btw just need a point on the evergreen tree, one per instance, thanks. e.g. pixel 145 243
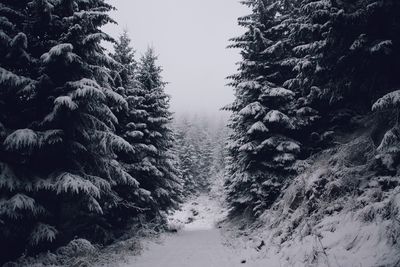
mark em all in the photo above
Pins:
pixel 187 157
pixel 361 53
pixel 139 204
pixel 219 146
pixel 157 170
pixel 125 56
pixel 200 152
pixel 17 208
pixel 206 161
pixel 274 117
pixel 59 147
pixel 389 147
pixel 308 68
pixel 263 143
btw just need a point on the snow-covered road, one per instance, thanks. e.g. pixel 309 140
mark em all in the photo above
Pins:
pixel 198 243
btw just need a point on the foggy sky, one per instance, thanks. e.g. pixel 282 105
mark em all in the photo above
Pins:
pixel 190 37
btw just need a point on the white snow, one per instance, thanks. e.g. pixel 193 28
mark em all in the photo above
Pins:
pixel 278 92
pixel 306 48
pixel 251 85
pixel 390 142
pixel 43 232
pixel 274 49
pixel 359 42
pixel 289 147
pixel 86 88
pixel 198 243
pixel 284 158
pixel 19 41
pixel 22 139
pixel 252 109
pixel 19 203
pixel 315 5
pixel 258 127
pixel 22 202
pixel 65 101
pixel 387 102
pixel 68 182
pixel 58 50
pixel 384 47
pixel 338 240
pixel 247 147
pixel 275 116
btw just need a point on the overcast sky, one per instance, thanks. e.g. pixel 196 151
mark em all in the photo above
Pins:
pixel 190 37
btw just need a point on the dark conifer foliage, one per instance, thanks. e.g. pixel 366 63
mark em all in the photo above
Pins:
pixel 66 119
pixel 134 200
pixel 124 54
pixel 158 170
pixel 311 71
pixel 58 164
pixel 269 120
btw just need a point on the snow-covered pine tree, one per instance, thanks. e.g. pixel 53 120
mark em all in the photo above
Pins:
pixel 82 104
pixel 196 157
pixel 219 146
pixel 360 57
pixel 200 149
pixel 124 54
pixel 308 23
pixel 352 56
pixel 206 161
pixel 389 148
pixel 19 208
pixel 187 157
pixel 158 171
pixel 265 141
pixel 131 127
pixel 58 146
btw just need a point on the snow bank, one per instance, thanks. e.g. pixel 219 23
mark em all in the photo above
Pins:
pixel 338 212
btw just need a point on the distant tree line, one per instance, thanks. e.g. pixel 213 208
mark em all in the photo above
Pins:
pixel 200 147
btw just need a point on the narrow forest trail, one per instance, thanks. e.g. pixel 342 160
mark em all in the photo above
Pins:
pixel 199 242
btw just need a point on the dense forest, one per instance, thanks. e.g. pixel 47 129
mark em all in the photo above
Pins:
pixel 315 125
pixel 89 146
pixel 86 145
pixel 310 75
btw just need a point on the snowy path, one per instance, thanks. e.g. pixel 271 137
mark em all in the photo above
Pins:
pixel 198 244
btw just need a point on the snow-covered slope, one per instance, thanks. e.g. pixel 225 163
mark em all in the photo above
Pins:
pixel 338 212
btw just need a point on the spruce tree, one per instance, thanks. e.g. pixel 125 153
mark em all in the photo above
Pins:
pixel 389 146
pixel 158 171
pixel 196 156
pixel 361 54
pixel 308 69
pixel 18 208
pixel 59 146
pixel 246 174
pixel 138 202
pixel 124 54
pixel 270 120
pixel 187 160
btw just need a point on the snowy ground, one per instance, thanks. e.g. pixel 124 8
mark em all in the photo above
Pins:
pixel 202 240
pixel 198 243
